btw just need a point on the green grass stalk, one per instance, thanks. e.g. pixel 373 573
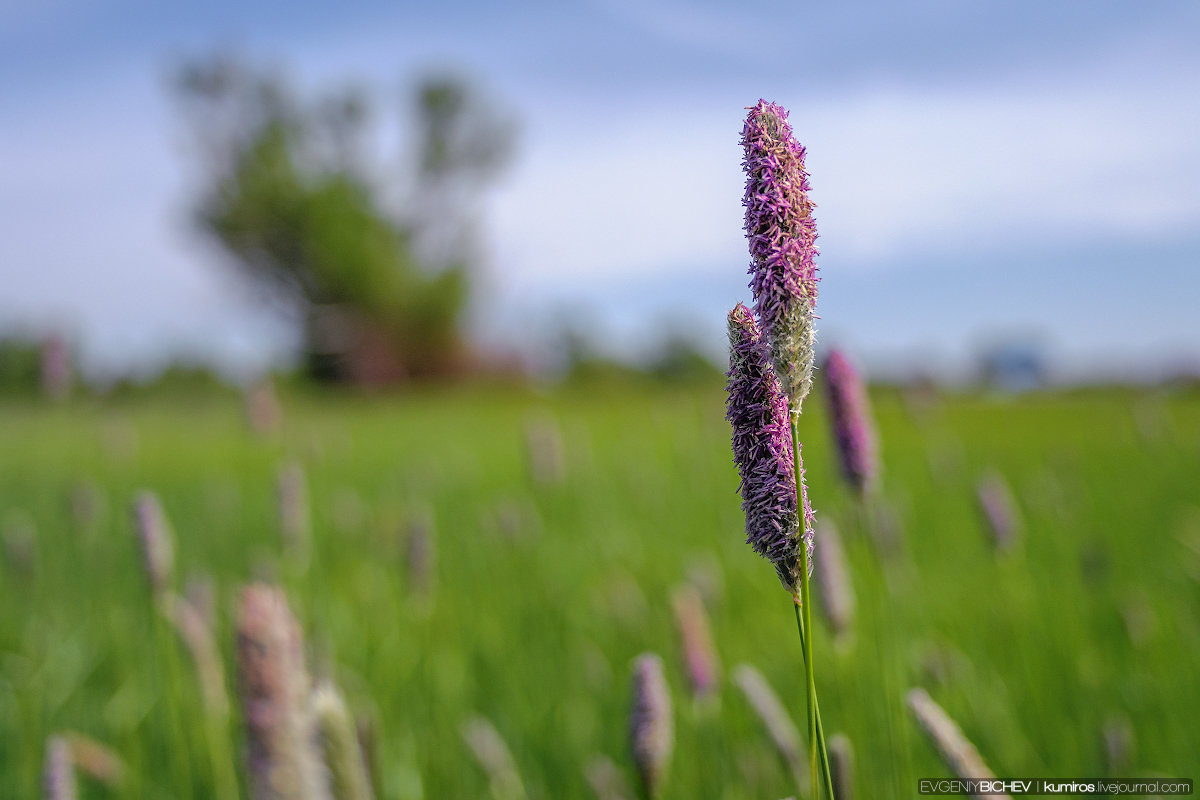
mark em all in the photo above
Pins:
pixel 822 747
pixel 165 648
pixel 803 604
pixel 220 751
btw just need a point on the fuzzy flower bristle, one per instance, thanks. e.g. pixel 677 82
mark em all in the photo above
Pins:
pixel 782 236
pixel 651 724
pixel 762 448
pixel 850 414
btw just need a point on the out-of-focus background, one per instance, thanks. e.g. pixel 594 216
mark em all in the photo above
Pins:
pixel 986 175
pixel 460 272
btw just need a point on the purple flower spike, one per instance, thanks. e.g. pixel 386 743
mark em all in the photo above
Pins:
pixel 762 448
pixel 999 509
pixel 782 235
pixel 696 641
pixel 58 774
pixel 850 414
pixel 282 755
pixel 154 536
pixel 651 723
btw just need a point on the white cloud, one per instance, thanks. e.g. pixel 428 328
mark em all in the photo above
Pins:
pixel 621 199
pixel 97 241
pixel 898 172
pixel 933 173
pixel 612 189
pixel 712 29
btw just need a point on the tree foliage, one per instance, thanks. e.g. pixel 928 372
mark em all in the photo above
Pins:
pixel 289 191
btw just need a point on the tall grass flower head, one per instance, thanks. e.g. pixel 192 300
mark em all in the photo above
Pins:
pixel 651 723
pixel 58 772
pixel 999 509
pixel 96 760
pixel 700 659
pixel 154 538
pixel 850 415
pixel 295 518
pixel 775 718
pixel 956 750
pixel 762 448
pixel 282 755
pixel 782 236
pixel 834 583
pixel 493 754
pixel 348 777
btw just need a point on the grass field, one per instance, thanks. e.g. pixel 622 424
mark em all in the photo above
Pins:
pixel 543 592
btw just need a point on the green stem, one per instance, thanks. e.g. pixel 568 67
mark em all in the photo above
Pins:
pixel 826 774
pixel 885 631
pixel 816 737
pixel 221 754
pixel 179 755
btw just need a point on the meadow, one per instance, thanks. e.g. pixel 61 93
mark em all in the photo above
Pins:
pixel 552 564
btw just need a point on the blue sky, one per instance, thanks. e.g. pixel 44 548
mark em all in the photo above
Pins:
pixel 981 170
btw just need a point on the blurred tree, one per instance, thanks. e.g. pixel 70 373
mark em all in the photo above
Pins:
pixel 289 191
pixel 682 359
pixel 32 364
pixel 20 364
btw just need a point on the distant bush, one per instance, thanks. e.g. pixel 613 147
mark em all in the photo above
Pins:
pixel 20 365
